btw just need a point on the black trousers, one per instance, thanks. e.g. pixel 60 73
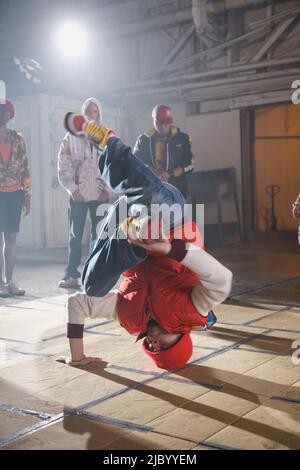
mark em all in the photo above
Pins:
pixel 77 213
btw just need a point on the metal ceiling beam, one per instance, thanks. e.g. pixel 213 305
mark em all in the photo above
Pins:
pixel 179 45
pixel 220 6
pixel 206 75
pixel 181 85
pixel 273 37
pixel 168 35
pixel 149 24
pixel 275 18
pixel 212 50
pixel 212 94
pixel 218 85
pixel 200 17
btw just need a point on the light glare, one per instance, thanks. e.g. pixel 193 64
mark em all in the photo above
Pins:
pixel 72 39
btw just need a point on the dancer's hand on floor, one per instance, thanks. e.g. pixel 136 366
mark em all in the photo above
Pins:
pixel 82 362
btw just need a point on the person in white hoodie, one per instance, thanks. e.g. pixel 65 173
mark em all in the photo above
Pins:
pixel 79 175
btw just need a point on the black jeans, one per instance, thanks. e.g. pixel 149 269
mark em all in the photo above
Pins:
pixel 11 210
pixel 77 213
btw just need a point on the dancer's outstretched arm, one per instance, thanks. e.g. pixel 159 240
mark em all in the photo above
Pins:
pixel 80 306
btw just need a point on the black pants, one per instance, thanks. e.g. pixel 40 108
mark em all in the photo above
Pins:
pixel 10 211
pixel 77 213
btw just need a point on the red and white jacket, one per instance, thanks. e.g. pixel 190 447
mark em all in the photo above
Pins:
pixel 176 293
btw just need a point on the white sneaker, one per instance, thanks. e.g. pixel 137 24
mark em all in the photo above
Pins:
pixel 69 283
pixel 3 290
pixel 13 289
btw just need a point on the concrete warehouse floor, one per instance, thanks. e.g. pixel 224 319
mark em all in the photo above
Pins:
pixel 241 389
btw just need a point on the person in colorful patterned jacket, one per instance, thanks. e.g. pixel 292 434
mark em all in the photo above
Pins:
pixel 15 196
pixel 166 149
pixel 79 175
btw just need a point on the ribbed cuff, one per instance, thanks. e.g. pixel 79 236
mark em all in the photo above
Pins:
pixel 178 250
pixel 74 330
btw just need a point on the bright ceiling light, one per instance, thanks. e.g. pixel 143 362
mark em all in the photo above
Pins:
pixel 72 39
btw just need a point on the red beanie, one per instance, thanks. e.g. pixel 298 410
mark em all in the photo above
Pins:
pixel 9 106
pixel 174 357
